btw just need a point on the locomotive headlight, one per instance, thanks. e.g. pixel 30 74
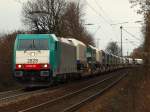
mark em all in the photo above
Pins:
pixel 45 66
pixel 19 66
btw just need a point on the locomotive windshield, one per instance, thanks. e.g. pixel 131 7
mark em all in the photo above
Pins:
pixel 33 44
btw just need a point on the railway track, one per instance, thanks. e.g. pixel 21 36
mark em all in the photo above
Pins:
pixel 76 106
pixel 12 95
pixel 74 100
pixel 9 92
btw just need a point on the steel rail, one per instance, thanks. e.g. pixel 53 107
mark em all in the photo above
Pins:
pixel 11 91
pixel 21 94
pixel 66 96
pixel 17 94
pixel 91 98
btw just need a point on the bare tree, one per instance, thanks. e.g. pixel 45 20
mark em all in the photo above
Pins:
pixel 74 23
pixel 57 16
pixel 44 16
pixel 113 48
pixel 6 59
pixel 71 19
pixel 145 10
pixel 138 52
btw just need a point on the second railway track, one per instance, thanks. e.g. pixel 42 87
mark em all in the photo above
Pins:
pixel 72 101
pixel 6 93
pixel 10 96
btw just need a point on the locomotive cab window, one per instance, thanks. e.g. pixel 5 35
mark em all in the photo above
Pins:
pixel 30 44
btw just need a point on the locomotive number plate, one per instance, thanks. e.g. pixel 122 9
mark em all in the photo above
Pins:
pixel 32 61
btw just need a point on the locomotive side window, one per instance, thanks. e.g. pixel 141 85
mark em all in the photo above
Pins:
pixel 37 44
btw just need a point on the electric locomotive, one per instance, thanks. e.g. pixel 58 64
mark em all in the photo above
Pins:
pixel 40 59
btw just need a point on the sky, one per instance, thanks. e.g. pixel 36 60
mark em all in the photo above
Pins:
pixel 10 14
pixel 104 15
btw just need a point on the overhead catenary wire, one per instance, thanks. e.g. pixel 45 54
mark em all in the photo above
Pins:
pixel 101 16
pixel 132 35
pixel 100 7
pixel 131 42
pixel 96 30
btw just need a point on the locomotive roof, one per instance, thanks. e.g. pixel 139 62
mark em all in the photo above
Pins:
pixel 76 42
pixel 36 36
pixel 91 47
pixel 66 41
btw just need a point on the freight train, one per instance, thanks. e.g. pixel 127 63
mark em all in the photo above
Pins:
pixel 42 59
